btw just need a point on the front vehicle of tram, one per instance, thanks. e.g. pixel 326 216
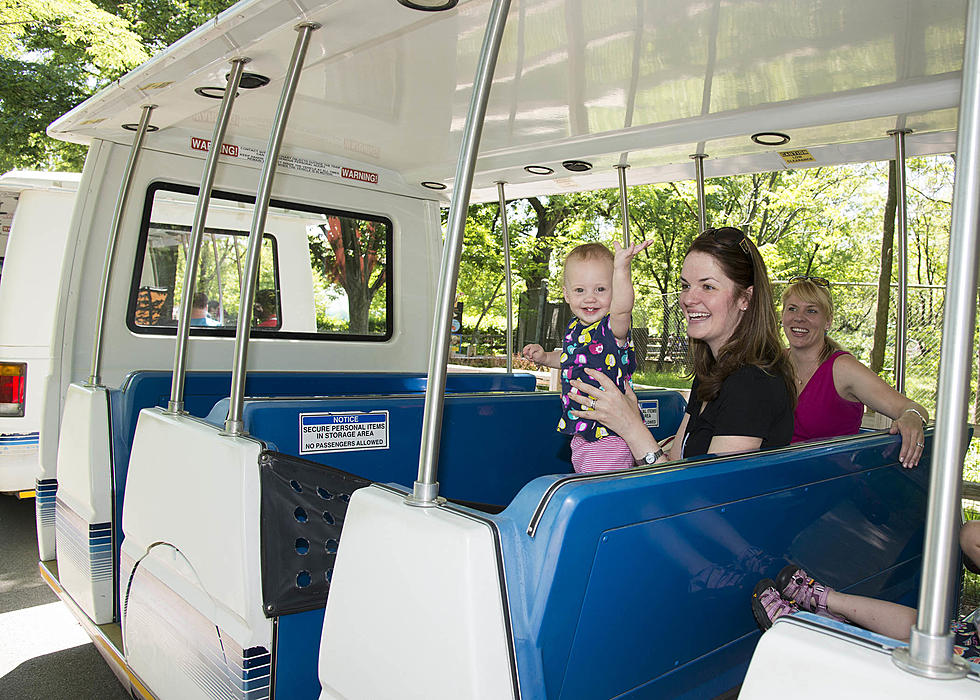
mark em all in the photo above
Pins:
pixel 257 502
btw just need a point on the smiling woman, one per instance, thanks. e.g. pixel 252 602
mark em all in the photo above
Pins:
pixel 742 395
pixel 832 386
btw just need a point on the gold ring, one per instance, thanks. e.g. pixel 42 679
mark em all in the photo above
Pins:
pixel 918 444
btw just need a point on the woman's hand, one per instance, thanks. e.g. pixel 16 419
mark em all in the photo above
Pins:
pixel 606 403
pixel 618 411
pixel 910 425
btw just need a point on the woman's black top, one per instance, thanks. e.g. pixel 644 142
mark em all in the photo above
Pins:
pixel 751 402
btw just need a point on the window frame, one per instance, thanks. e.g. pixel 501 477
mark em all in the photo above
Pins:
pixel 254 331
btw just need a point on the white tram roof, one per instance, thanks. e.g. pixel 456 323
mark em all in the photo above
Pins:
pixel 385 89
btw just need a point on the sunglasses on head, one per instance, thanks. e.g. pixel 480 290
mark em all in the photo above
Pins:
pixel 819 281
pixel 729 235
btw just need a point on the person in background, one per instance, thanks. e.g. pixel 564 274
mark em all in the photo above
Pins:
pixel 265 309
pixel 742 397
pixel 214 312
pixel 199 310
pixel 832 386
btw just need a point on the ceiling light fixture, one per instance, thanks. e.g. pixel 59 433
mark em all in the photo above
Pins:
pixel 770 138
pixel 577 166
pixel 429 5
pixel 136 127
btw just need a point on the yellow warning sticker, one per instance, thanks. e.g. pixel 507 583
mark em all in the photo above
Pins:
pixel 798 156
pixel 156 86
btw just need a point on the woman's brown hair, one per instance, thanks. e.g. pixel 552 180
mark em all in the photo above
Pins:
pixel 756 338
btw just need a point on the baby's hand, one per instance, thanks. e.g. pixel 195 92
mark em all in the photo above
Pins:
pixel 534 353
pixel 623 256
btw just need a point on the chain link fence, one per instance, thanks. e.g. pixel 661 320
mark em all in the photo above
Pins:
pixel 853 327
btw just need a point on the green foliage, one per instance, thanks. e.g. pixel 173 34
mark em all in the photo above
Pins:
pixel 827 221
pixel 56 53
pixel 104 39
pixel 33 95
pixel 675 378
pixel 160 23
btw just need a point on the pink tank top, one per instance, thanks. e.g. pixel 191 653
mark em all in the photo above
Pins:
pixel 820 410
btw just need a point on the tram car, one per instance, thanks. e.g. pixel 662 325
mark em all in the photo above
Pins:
pixel 290 497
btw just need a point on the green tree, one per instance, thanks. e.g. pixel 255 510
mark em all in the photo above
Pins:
pixel 351 253
pixel 56 53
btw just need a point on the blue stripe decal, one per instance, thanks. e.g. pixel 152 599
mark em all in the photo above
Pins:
pixel 19 439
pixel 90 552
pixel 45 497
pixel 194 646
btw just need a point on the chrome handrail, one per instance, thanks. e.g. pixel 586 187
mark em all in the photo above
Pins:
pixel 176 403
pixel 930 650
pixel 94 378
pixel 426 488
pixel 508 282
pixel 236 402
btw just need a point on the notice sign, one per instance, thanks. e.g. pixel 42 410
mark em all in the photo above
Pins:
pixel 342 432
pixel 651 413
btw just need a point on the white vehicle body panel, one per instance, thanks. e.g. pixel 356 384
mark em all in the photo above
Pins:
pixel 395 563
pixel 195 525
pixel 39 207
pixel 84 509
pixel 813 663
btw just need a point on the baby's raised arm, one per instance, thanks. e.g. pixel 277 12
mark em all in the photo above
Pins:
pixel 621 308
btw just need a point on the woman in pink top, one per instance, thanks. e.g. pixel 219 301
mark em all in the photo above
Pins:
pixel 833 387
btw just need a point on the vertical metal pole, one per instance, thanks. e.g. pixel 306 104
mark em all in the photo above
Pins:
pixel 901 226
pixel 426 488
pixel 94 378
pixel 930 651
pixel 624 210
pixel 507 276
pixel 624 202
pixel 217 276
pixel 233 423
pixel 176 403
pixel 238 259
pixel 698 159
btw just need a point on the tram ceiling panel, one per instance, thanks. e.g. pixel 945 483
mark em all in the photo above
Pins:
pixel 389 86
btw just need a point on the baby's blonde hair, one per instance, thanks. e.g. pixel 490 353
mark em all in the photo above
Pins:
pixel 587 251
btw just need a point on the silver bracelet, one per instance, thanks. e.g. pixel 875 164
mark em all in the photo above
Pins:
pixel 916 412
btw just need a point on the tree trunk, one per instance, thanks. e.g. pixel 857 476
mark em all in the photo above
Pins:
pixel 164 262
pixel 885 275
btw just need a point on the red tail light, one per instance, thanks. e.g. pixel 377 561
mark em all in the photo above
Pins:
pixel 13 388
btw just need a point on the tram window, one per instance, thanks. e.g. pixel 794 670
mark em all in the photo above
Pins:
pixel 323 273
pixel 349 261
pixel 216 294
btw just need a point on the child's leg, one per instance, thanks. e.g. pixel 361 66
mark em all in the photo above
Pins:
pixel 970 541
pixel 880 616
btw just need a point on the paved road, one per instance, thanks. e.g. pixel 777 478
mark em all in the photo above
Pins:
pixel 44 653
